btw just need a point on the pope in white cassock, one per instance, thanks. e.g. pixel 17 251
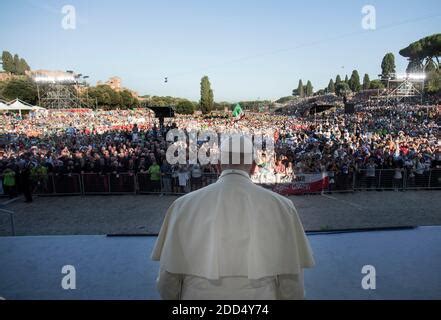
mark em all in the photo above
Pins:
pixel 232 240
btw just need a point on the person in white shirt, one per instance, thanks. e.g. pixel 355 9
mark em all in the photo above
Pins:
pixel 183 177
pixel 232 240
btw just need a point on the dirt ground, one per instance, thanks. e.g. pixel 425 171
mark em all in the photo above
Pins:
pixel 143 214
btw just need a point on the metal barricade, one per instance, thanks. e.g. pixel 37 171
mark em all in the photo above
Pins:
pixel 420 180
pixel 182 182
pixel 384 179
pixel 122 183
pixel 435 179
pixel 147 185
pixel 94 183
pixel 43 184
pixel 343 182
pixel 364 180
pixel 11 219
pixel 67 184
pixel 168 184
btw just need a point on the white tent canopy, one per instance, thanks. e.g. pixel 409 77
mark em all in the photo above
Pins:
pixel 3 106
pixel 18 105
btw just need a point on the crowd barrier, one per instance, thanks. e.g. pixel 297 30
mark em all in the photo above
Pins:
pixel 184 182
pixel 391 179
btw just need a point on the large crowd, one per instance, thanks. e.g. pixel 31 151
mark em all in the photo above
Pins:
pixel 399 137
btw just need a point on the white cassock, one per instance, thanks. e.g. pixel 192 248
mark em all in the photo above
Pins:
pixel 232 240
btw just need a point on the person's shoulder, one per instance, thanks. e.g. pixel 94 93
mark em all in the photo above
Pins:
pixel 197 194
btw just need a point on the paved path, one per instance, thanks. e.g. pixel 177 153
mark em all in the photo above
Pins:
pixel 143 214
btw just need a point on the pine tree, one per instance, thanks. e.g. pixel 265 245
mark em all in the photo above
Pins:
pixel 347 79
pixel 8 61
pixel 309 89
pixel 414 66
pixel 331 86
pixel 211 98
pixel 342 89
pixel 337 80
pixel 24 66
pixel 207 98
pixel 20 68
pixel 300 90
pixel 366 82
pixel 354 82
pixel 388 65
pixel 16 64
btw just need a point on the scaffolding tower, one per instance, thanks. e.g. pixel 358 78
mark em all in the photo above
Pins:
pixel 404 88
pixel 59 96
pixel 59 89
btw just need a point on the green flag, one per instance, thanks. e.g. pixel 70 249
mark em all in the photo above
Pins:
pixel 237 112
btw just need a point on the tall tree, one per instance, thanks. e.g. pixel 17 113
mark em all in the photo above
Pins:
pixel 115 99
pixel 427 48
pixel 342 89
pixel 8 61
pixel 300 90
pixel 387 65
pixel 25 90
pixel 211 99
pixel 376 84
pixel 346 79
pixel 185 107
pixel 206 101
pixel 20 67
pixel 337 80
pixel 331 86
pixel 16 64
pixel 354 82
pixel 127 99
pixel 433 81
pixel 24 66
pixel 414 66
pixel 105 96
pixel 309 89
pixel 366 82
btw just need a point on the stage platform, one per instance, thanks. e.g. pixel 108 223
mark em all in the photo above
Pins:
pixel 407 262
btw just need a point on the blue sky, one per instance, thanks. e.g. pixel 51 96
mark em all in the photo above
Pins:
pixel 249 49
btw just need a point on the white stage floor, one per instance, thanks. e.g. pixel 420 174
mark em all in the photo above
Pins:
pixel 407 262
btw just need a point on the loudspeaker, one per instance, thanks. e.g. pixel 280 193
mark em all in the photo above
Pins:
pixel 163 112
pixel 349 108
